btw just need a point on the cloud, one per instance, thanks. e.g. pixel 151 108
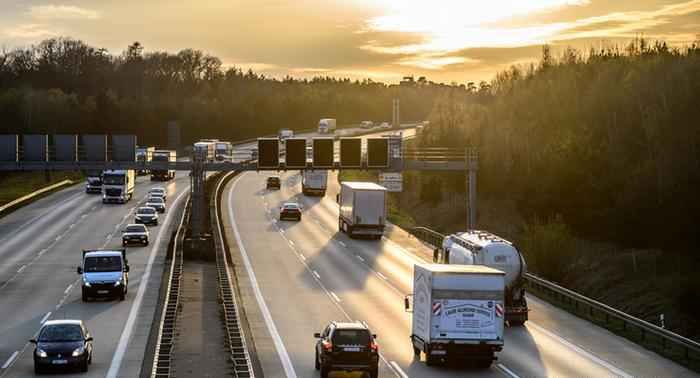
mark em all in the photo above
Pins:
pixel 62 12
pixel 29 31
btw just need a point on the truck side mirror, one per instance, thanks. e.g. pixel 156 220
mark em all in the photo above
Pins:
pixel 80 270
pixel 317 335
pixel 126 269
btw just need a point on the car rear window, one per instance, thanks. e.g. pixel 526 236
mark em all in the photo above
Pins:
pixel 351 337
pixel 292 207
pixel 155 200
pixel 273 179
pixel 135 229
pixel 146 211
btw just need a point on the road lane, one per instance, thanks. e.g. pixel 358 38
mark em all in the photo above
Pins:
pixel 50 284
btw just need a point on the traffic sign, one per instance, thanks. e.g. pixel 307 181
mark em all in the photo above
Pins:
pixel 295 153
pixel 377 153
pixel 350 153
pixel 391 176
pixel 323 153
pixel 268 153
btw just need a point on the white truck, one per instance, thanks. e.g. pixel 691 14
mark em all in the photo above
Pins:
pixel 165 156
pixel 362 209
pixel 206 149
pixel 144 156
pixel 314 182
pixel 484 248
pixel 326 126
pixel 223 151
pixel 93 183
pixel 286 134
pixel 118 185
pixel 457 313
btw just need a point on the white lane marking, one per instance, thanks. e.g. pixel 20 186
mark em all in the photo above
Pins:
pixel 316 274
pixel 68 289
pixel 45 317
pixel 397 370
pixel 302 257
pixel 267 316
pixel 343 244
pixel 581 351
pixel 136 306
pixel 335 297
pixel 360 258
pixel 282 230
pixel 382 276
pixel 291 242
pixel 58 237
pixel 71 226
pixel 9 360
pixel 507 371
pixel 21 268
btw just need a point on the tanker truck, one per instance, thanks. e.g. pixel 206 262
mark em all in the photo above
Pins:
pixel 484 248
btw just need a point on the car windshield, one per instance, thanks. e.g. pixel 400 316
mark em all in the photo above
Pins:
pixel 155 200
pixel 103 264
pixel 135 228
pixel 146 211
pixel 61 332
pixel 351 337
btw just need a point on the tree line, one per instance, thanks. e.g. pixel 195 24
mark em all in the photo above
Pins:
pixel 606 141
pixel 63 85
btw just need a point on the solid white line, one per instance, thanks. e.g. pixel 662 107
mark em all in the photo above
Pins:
pixel 136 306
pixel 360 258
pixel 21 268
pixel 382 276
pixel 302 257
pixel 68 289
pixel 317 275
pixel 45 317
pixel 343 244
pixel 335 297
pixel 398 370
pixel 267 316
pixel 9 360
pixel 290 242
pixel 581 351
pixel 507 371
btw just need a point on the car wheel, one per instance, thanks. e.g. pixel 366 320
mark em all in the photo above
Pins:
pixel 145 243
pixel 85 296
pixel 84 366
pixel 122 296
pixel 37 369
pixel 317 364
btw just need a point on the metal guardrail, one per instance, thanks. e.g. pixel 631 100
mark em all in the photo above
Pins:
pixel 166 331
pixel 19 201
pixel 234 336
pixel 690 350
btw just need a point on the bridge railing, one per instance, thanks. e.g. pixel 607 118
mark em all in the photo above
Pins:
pixel 651 336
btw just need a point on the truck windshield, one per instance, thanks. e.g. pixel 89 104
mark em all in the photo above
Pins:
pixel 351 337
pixel 103 264
pixel 94 180
pixel 113 179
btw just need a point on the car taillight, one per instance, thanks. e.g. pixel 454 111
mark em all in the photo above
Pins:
pixel 374 347
pixel 327 346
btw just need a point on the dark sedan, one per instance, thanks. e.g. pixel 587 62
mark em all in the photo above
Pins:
pixel 62 344
pixel 290 210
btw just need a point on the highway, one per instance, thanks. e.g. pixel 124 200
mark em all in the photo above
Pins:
pixel 41 248
pixel 296 277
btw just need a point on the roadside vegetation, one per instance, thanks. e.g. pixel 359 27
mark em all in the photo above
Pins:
pixel 17 184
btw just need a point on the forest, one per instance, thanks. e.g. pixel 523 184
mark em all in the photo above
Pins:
pixel 63 85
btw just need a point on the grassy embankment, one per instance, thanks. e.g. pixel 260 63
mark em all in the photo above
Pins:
pixel 14 185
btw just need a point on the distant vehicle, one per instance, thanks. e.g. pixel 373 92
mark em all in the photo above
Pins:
pixel 157 203
pixel 62 343
pixel 118 185
pixel 273 182
pixel 314 182
pixel 105 273
pixel 223 151
pixel 286 134
pixel 144 155
pixel 366 124
pixel 254 154
pixel 166 156
pixel 290 210
pixel 146 215
pixel 385 125
pixel 93 184
pixel 347 347
pixel 457 313
pixel 326 125
pixel 484 248
pixel 206 149
pixel 159 192
pixel 362 209
pixel 135 233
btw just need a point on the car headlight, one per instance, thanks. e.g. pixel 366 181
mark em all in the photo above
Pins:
pixel 41 353
pixel 79 351
pixel 85 282
pixel 117 282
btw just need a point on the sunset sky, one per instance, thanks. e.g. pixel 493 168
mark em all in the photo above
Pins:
pixel 444 40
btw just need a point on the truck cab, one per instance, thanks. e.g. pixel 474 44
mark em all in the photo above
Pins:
pixel 118 185
pixel 105 273
pixel 93 184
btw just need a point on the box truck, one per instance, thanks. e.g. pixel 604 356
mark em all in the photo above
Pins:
pixel 484 248
pixel 314 182
pixel 362 209
pixel 326 126
pixel 223 151
pixel 163 156
pixel 285 134
pixel 118 185
pixel 458 313
pixel 144 156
